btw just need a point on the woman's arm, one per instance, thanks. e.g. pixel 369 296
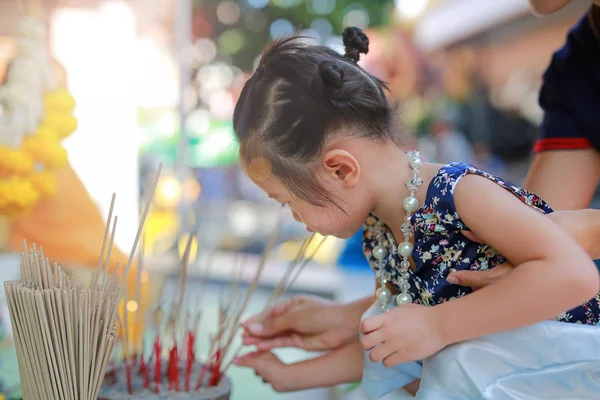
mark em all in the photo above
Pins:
pixel 546 7
pixel 343 365
pixel 539 288
pixel 555 176
pixel 583 226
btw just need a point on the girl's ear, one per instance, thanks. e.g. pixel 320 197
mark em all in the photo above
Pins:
pixel 343 167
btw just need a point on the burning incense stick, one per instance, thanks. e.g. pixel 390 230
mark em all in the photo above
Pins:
pixel 292 272
pixel 172 362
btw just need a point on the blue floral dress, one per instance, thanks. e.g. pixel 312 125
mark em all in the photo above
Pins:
pixel 440 247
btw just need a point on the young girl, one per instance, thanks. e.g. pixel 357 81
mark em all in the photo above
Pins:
pixel 316 135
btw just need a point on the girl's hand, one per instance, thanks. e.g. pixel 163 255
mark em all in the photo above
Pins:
pixel 305 322
pixel 406 333
pixel 269 367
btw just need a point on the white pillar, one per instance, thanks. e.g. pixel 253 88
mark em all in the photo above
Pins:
pixel 97 48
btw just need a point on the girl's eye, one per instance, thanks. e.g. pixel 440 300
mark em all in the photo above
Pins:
pixel 284 205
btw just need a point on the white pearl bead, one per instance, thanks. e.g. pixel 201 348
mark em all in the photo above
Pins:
pixel 415 162
pixel 411 204
pixel 380 253
pixel 403 298
pixel 383 295
pixel 405 249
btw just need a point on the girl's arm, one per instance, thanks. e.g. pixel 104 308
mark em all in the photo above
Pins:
pixel 540 287
pixel 343 365
pixel 552 274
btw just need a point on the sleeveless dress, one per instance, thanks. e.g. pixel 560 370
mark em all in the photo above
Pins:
pixel 515 362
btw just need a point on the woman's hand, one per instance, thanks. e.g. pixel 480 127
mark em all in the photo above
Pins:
pixel 306 322
pixel 270 368
pixel 478 279
pixel 581 225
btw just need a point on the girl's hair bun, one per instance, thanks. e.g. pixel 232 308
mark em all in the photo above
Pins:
pixel 355 42
pixel 332 74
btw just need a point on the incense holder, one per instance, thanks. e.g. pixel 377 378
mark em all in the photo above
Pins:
pixel 115 385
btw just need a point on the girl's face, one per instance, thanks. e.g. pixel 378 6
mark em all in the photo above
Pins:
pixel 328 219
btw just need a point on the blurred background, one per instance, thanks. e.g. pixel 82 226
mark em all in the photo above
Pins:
pixel 138 82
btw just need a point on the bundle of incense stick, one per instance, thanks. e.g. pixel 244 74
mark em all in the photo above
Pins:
pixel 180 348
pixel 175 325
pixel 64 334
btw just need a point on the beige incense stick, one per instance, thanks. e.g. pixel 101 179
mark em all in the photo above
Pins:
pixel 138 344
pixel 80 343
pixel 183 268
pixel 253 284
pixel 126 331
pixel 298 270
pixel 104 239
pixel 100 298
pixel 286 276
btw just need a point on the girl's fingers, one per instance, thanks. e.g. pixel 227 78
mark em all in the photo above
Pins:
pixel 380 352
pixel 250 340
pixel 371 340
pixel 253 325
pixel 371 323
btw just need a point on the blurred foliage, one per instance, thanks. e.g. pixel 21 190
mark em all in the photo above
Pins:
pixel 296 11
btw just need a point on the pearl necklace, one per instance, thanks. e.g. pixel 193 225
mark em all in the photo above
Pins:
pixel 405 249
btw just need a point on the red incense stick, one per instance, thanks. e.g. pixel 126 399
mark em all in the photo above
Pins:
pixel 190 359
pixel 144 371
pixel 157 366
pixel 203 370
pixel 128 374
pixel 215 376
pixel 172 367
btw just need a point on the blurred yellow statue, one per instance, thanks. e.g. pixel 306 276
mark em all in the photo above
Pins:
pixel 42 200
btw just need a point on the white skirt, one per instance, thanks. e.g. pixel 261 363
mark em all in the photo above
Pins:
pixel 547 361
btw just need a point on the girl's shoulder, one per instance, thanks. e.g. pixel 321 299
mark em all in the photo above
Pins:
pixel 440 192
pixel 446 178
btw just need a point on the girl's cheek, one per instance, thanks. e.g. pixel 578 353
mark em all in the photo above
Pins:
pixel 296 215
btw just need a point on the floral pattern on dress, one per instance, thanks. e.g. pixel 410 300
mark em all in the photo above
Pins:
pixel 440 247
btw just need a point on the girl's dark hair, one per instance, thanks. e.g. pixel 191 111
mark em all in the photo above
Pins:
pixel 302 94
